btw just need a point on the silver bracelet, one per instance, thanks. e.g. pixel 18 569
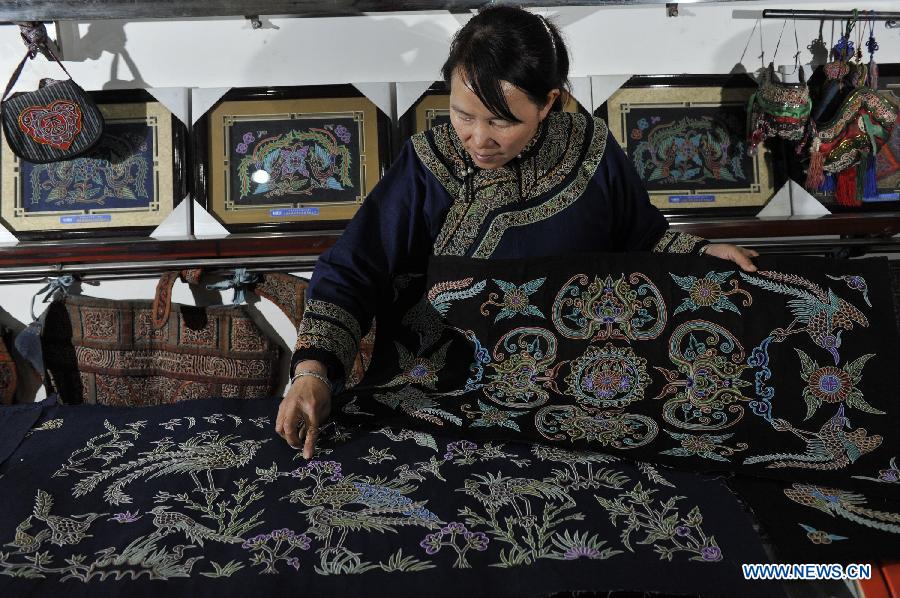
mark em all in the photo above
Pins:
pixel 702 250
pixel 315 375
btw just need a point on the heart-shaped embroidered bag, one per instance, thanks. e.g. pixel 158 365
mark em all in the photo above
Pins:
pixel 58 121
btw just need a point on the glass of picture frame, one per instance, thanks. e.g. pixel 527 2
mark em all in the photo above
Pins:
pixel 433 109
pixel 686 136
pixel 289 158
pixel 126 185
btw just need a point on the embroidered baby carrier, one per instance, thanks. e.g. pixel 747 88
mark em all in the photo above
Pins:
pixel 58 121
pixel 141 352
pixel 778 109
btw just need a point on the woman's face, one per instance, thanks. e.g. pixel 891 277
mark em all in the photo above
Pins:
pixel 490 140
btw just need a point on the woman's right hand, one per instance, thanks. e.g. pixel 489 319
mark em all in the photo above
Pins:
pixel 304 409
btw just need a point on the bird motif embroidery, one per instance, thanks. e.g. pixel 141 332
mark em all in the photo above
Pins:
pixel 169 522
pixel 498 491
pixel 63 530
pixel 201 454
pixel 831 448
pixel 25 542
pixel 822 315
pixel 842 503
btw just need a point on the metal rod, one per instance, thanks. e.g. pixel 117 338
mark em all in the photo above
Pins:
pixel 832 15
pixel 85 10
pixel 148 269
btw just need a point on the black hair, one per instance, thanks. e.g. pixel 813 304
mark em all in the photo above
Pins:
pixel 506 43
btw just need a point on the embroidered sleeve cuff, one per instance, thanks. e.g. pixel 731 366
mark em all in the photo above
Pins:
pixel 330 328
pixel 677 242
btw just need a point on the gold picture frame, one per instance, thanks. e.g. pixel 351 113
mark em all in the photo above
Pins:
pixel 128 183
pixel 686 137
pixel 318 158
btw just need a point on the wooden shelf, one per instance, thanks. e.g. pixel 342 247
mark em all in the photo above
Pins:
pixel 871 224
pixel 274 245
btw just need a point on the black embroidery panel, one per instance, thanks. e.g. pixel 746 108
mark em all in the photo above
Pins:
pixel 785 373
pixel 203 496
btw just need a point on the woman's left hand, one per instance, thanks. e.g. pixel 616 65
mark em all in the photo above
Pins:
pixel 739 255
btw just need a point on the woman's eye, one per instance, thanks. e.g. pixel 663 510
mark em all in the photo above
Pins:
pixel 501 124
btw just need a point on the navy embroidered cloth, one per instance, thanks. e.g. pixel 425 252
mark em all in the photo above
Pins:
pixel 787 372
pixel 201 498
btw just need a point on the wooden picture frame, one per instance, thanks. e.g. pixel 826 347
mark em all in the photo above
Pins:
pixel 289 158
pixel 126 185
pixel 686 135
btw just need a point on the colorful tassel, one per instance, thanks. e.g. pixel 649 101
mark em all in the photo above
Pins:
pixel 828 184
pixel 815 175
pixel 870 180
pixel 846 188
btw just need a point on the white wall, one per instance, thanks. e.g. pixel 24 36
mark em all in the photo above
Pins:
pixel 387 48
pixel 704 38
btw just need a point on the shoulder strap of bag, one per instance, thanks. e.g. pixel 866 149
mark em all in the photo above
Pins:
pixel 34 34
pixel 162 302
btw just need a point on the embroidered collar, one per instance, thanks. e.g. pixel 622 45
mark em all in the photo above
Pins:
pixel 548 177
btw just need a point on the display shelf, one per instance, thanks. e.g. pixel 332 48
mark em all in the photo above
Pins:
pixel 303 248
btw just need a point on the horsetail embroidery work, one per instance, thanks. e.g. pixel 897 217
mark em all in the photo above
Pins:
pixel 201 490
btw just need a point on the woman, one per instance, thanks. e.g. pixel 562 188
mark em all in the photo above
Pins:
pixel 513 177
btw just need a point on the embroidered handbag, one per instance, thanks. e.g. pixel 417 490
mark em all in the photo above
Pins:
pixel 778 109
pixel 58 121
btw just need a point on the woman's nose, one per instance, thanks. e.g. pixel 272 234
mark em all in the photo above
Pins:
pixel 481 136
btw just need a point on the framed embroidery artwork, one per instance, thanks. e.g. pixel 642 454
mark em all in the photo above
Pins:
pixel 433 109
pixel 127 184
pixel 291 158
pixel 686 136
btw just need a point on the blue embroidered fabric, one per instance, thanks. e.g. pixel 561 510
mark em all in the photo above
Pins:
pixel 203 497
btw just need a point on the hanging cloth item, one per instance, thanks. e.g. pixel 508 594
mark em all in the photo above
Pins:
pixel 139 353
pixel 845 147
pixel 779 109
pixel 58 121
pixel 8 377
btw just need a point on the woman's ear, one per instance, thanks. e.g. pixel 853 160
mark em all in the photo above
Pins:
pixel 552 95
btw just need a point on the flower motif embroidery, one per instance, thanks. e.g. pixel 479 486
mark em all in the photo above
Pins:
pixel 707 292
pixel 432 543
pixel 707 446
pixel 515 300
pixel 342 133
pixel 126 517
pixel 857 283
pixel 581 546
pixel 419 370
pixel 885 476
pixel 378 455
pixel 818 536
pixel 294 160
pixel 489 416
pixel 830 384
